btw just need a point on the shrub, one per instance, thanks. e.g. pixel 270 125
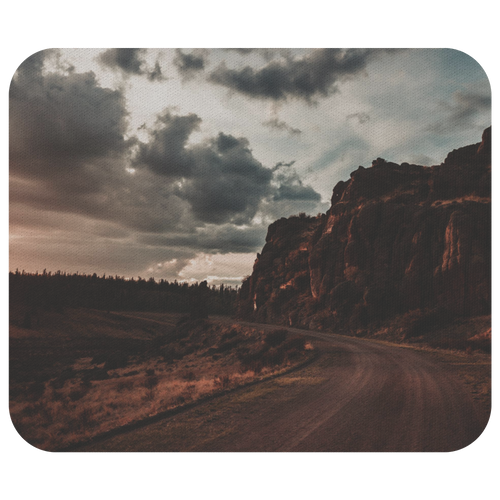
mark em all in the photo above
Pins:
pixel 78 392
pixel 251 361
pixel 293 354
pixel 151 379
pixel 211 351
pixel 116 360
pixel 179 400
pixel 276 337
pixel 65 375
pixel 481 345
pixel 420 322
pixel 171 353
pixel 228 345
pixel 188 349
pixel 229 335
pixel 95 374
pixel 223 381
pixel 150 394
pixel 85 419
pixel 125 385
pixel 188 375
pixel 295 342
pixel 273 357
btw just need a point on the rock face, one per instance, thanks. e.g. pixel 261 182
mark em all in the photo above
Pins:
pixel 397 238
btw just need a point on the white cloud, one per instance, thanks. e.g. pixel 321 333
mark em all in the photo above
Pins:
pixel 218 268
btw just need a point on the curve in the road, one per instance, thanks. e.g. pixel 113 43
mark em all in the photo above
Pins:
pixel 375 397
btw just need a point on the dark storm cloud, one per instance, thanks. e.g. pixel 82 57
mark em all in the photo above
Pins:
pixel 276 124
pixel 156 75
pixel 68 152
pixel 59 121
pixel 228 183
pixel 362 117
pixel 313 75
pixel 291 187
pixel 296 192
pixel 140 202
pixel 220 178
pixel 282 164
pixel 223 239
pixel 71 166
pixel 188 64
pixel 266 53
pixel 166 152
pixel 462 112
pixel 130 62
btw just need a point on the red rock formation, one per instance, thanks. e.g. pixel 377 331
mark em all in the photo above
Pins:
pixel 397 238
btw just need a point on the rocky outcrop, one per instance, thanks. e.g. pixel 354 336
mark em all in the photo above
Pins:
pixel 397 238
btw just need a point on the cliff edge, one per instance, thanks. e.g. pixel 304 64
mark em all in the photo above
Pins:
pixel 398 241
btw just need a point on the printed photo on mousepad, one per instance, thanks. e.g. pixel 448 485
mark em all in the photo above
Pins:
pixel 251 250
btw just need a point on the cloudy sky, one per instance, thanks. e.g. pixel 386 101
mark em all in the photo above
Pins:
pixel 172 163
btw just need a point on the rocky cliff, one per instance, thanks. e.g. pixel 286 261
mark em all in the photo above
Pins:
pixel 398 239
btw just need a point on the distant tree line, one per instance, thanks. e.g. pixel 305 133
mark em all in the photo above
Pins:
pixel 35 292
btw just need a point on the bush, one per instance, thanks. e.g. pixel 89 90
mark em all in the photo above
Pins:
pixel 78 392
pixel 276 337
pixel 151 379
pixel 95 374
pixel 179 400
pixel 251 361
pixel 295 342
pixel 66 374
pixel 481 345
pixel 293 354
pixel 223 381
pixel 188 375
pixel 116 360
pixel 228 335
pixel 85 419
pixel 227 346
pixel 420 322
pixel 125 385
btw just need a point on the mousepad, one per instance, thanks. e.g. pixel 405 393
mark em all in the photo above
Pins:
pixel 250 250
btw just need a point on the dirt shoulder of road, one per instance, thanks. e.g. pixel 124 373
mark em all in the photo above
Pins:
pixel 473 368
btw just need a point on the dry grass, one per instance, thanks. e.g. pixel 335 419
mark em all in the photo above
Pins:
pixel 92 394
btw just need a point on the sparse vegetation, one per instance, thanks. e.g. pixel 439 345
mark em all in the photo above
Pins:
pixel 276 337
pixel 67 386
pixel 437 329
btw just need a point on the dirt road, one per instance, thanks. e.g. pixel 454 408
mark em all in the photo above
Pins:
pixel 358 396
